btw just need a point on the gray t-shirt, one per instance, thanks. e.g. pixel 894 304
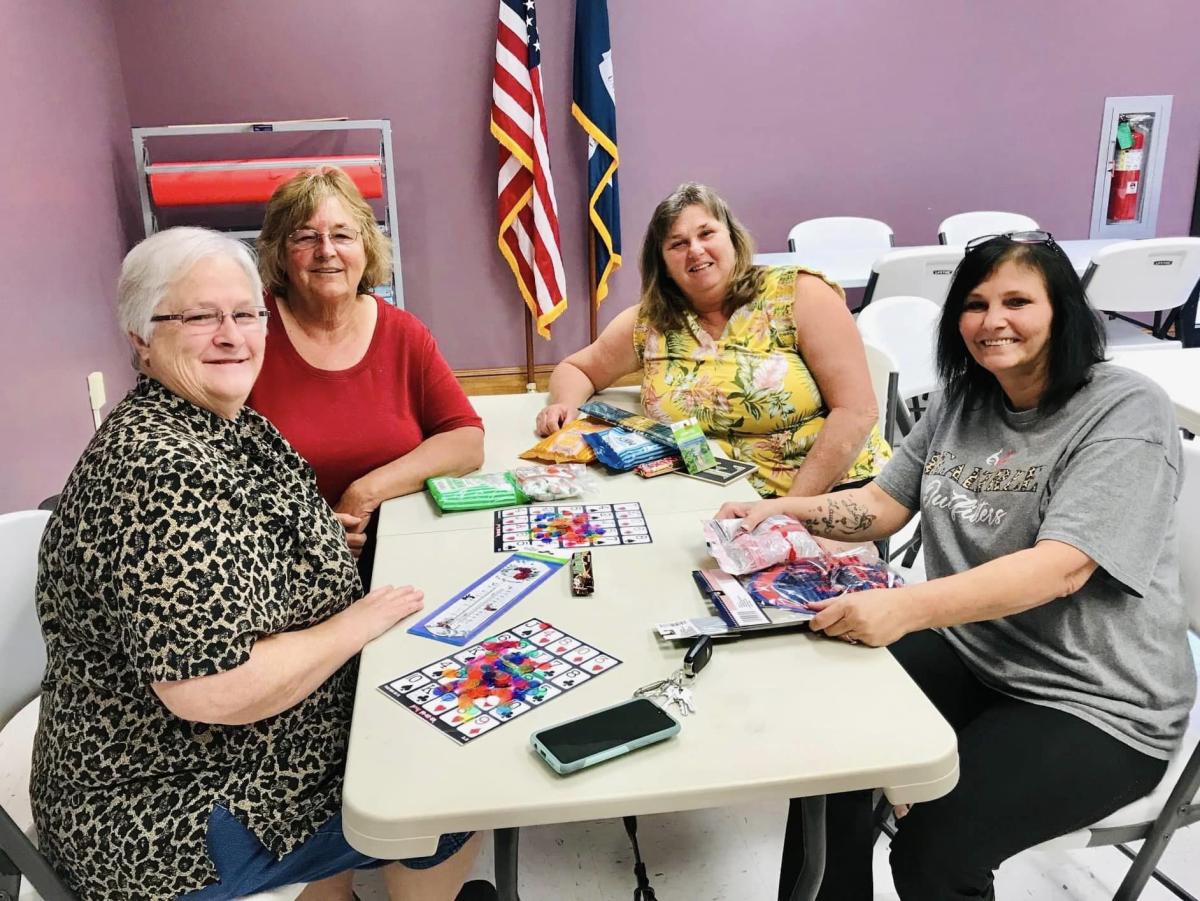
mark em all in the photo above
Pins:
pixel 1102 475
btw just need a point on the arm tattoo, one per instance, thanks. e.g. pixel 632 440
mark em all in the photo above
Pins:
pixel 838 518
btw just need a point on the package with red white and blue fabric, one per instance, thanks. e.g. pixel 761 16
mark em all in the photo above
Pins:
pixel 794 586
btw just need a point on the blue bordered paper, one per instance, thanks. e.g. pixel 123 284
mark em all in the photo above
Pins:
pixel 471 610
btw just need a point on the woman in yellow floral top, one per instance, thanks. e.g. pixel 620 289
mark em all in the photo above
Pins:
pixel 768 360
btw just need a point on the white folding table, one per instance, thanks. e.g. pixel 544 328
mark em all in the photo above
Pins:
pixel 787 716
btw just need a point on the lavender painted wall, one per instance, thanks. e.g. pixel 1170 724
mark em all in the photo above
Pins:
pixel 903 111
pixel 64 151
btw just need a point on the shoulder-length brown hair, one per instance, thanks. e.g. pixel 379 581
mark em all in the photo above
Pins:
pixel 294 202
pixel 663 303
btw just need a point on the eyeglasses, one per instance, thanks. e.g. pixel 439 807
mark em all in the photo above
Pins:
pixel 208 321
pixel 1020 237
pixel 309 238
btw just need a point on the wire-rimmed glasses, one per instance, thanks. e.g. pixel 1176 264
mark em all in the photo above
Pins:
pixel 309 238
pixel 204 322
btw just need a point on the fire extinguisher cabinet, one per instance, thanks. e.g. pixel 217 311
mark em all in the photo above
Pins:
pixel 1133 147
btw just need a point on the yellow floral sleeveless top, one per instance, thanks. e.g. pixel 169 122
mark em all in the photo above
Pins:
pixel 750 390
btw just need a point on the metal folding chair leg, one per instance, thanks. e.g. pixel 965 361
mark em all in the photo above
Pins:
pixel 19 857
pixel 505 844
pixel 1178 811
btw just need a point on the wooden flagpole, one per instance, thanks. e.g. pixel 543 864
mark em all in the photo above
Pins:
pixel 530 378
pixel 592 305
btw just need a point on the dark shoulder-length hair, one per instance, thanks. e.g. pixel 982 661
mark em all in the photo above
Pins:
pixel 662 302
pixel 1076 333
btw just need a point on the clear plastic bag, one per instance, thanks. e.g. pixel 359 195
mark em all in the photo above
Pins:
pixel 864 551
pixel 777 539
pixel 555 481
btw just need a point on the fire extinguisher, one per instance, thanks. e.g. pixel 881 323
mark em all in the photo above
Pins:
pixel 1127 175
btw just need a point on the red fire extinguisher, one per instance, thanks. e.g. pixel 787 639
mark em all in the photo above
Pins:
pixel 1127 175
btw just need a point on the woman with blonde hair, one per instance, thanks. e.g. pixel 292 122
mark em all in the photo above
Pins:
pixel 767 359
pixel 357 386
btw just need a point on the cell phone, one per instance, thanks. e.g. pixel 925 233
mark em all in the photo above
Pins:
pixel 602 735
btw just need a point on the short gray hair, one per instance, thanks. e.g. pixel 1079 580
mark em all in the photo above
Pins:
pixel 155 264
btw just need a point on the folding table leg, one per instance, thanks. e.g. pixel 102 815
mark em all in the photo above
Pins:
pixel 812 820
pixel 505 844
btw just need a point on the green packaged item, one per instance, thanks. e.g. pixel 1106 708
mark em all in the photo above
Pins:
pixel 475 492
pixel 693 445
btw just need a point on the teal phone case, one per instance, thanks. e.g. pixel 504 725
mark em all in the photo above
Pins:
pixel 564 769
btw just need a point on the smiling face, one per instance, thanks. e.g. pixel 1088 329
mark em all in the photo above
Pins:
pixel 699 256
pixel 215 370
pixel 328 273
pixel 1005 323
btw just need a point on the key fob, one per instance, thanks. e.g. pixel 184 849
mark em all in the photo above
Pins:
pixel 697 655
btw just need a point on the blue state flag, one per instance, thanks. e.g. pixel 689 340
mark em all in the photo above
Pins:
pixel 595 108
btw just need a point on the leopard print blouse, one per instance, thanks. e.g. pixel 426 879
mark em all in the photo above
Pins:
pixel 179 540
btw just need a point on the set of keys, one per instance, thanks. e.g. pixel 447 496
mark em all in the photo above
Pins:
pixel 673 689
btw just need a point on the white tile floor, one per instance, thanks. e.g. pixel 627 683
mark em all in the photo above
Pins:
pixel 732 854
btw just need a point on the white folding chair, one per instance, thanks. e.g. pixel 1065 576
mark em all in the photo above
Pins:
pixel 913 272
pixel 963 227
pixel 1175 803
pixel 905 327
pixel 840 231
pixel 1147 276
pixel 22 663
pixel 885 381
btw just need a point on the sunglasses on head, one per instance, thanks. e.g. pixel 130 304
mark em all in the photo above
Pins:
pixel 1019 237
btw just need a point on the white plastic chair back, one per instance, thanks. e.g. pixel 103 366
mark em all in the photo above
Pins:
pixel 1141 277
pixel 905 327
pixel 840 231
pixel 881 367
pixel 963 227
pixel 22 653
pixel 914 272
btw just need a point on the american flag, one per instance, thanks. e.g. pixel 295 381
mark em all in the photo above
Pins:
pixel 525 202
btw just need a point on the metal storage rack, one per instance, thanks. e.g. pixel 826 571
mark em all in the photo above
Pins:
pixel 147 167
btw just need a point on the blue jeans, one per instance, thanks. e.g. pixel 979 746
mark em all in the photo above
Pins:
pixel 246 867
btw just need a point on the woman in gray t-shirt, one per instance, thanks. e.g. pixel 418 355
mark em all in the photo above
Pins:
pixel 1051 633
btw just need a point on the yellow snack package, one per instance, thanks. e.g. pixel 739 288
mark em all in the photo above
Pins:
pixel 567 444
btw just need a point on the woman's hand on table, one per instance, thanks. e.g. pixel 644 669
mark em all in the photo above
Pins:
pixel 876 617
pixel 356 538
pixel 553 417
pixel 376 612
pixel 751 513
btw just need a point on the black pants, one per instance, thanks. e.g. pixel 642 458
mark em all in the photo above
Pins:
pixel 1027 773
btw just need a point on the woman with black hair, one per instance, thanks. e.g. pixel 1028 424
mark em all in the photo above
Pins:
pixel 1051 633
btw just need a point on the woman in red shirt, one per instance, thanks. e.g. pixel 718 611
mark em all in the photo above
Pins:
pixel 357 386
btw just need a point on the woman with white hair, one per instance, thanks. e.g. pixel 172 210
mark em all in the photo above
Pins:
pixel 202 616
